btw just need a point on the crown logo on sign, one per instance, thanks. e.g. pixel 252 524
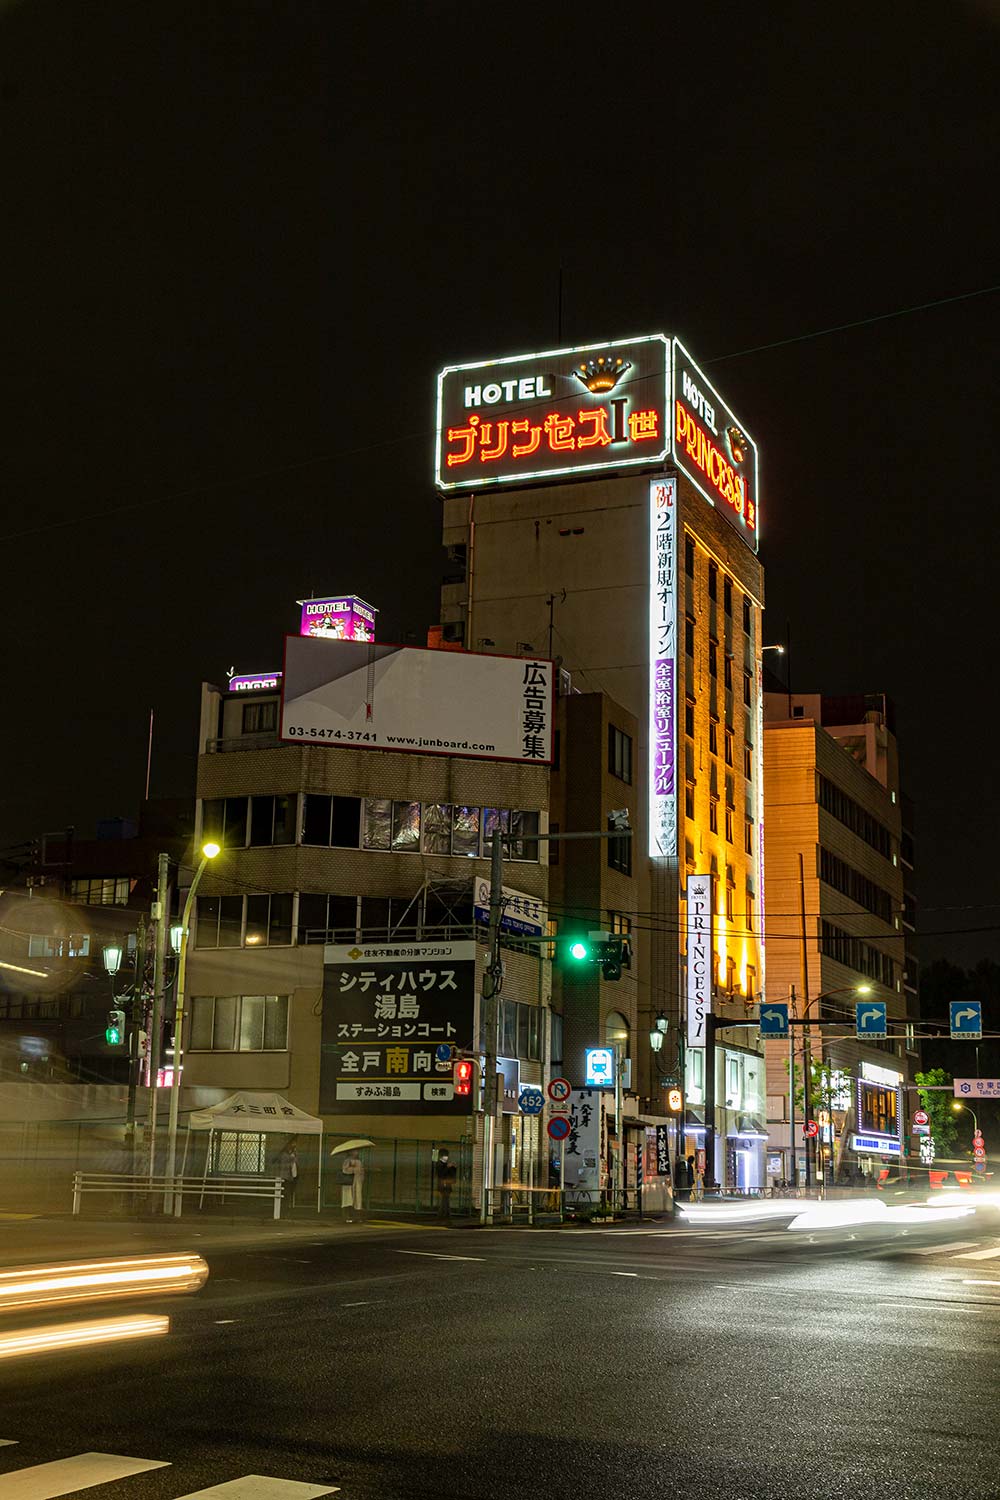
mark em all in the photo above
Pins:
pixel 737 444
pixel 602 374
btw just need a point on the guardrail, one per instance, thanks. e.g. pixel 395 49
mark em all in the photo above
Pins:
pixel 133 1187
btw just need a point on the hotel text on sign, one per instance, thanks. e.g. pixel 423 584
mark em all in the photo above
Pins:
pixel 712 448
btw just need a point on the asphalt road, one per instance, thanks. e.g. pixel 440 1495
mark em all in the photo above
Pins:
pixel 737 1363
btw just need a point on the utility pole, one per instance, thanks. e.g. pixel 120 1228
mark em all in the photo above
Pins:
pixel 710 1183
pixel 160 916
pixel 133 1028
pixel 492 984
pixel 806 1056
pixel 791 1091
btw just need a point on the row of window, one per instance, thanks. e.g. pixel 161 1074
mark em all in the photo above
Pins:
pixel 855 817
pixel 369 823
pixel 713 583
pixel 267 921
pixel 239 1023
pixel 111 890
pixel 729 819
pixel 729 741
pixel 855 954
pixel 713 661
pixel 850 882
pixel 520 1033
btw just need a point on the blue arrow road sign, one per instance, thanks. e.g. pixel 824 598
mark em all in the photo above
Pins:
pixel 774 1020
pixel 966 1020
pixel 442 1052
pixel 870 1018
pixel 531 1101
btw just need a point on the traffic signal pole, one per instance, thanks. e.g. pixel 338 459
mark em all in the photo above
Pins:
pixel 492 983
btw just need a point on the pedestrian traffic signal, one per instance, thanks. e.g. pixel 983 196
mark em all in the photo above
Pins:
pixel 463 1076
pixel 675 1101
pixel 114 1032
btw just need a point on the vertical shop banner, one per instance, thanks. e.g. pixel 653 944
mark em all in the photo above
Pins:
pixel 585 1151
pixel 699 957
pixel 663 668
pixel 387 1008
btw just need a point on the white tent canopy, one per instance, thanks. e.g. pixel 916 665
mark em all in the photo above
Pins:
pixel 255 1114
pixel 263 1114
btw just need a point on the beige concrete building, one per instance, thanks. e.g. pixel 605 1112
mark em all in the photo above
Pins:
pixel 838 913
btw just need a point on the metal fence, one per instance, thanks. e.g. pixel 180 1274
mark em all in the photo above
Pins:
pixel 131 1194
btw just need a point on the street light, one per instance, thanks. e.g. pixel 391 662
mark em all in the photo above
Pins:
pixel 112 955
pixel 208 852
pixel 957 1105
pixel 657 1032
pixel 853 989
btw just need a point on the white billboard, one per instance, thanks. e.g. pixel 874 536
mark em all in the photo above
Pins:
pixel 699 957
pixel 662 668
pixel 380 697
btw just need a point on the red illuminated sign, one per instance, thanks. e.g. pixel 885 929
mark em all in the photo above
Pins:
pixel 564 412
pixel 712 448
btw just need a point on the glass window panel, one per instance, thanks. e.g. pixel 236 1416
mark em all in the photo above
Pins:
pixel 557 1040
pixel 312 915
pixel 213 820
pixel 404 913
pixel 258 914
pixel 522 1031
pixel 534 1032
pixel 522 826
pixel 437 828
pixel 406 827
pixel 343 918
pixel 275 1023
pixel 230 921
pixel 465 831
pixel 346 831
pixel 201 1023
pixel 508 1028
pixel 123 889
pixel 260 718
pixel 208 922
pixel 374 916
pixel 224 1024
pixel 280 929
pixel 235 836
pixel 494 818
pixel 251 1023
pixel 316 820
pixel 261 820
pixel 284 819
pixel 377 823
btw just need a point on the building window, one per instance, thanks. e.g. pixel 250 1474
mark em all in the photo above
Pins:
pixel 748 836
pixel 747 689
pixel 76 945
pixel 749 912
pixel 728 670
pixel 713 735
pixel 713 580
pixel 747 616
pixel 730 894
pixel 620 754
pixel 224 819
pixel 835 872
pixel 619 853
pixel 729 824
pixel 713 658
pixel 729 746
pixel 689 799
pixel 857 955
pixel 250 921
pixel 689 554
pixel 112 890
pixel 260 718
pixel 731 983
pixel 239 1023
pixel 689 634
pixel 748 761
pixel 727 595
pixel 272 819
pixel 616 1032
pixel 856 818
pixel 713 814
pixel 619 924
pixel 689 717
pixel 520 1030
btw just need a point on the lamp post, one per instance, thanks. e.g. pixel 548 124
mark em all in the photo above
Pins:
pixel 958 1105
pixel 209 852
pixel 853 989
pixel 112 954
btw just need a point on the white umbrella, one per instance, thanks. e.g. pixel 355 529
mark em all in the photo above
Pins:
pixel 350 1146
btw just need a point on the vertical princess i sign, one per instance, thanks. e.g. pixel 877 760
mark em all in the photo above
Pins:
pixel 662 668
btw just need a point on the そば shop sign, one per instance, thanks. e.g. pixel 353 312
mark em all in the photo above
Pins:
pixel 554 414
pixel 387 1009
pixel 712 448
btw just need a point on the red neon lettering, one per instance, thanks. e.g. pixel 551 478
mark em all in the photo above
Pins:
pixel 485 451
pixel 466 435
pixel 728 485
pixel 644 426
pixel 559 431
pixel 534 438
pixel 599 435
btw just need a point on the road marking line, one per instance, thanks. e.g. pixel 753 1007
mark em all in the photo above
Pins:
pixel 433 1255
pixel 357 1304
pixel 260 1487
pixel 626 1273
pixel 227 1320
pixel 992 1254
pixel 64 1475
pixel 980 1281
pixel 940 1249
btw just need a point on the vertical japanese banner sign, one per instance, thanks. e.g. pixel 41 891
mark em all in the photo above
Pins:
pixel 699 957
pixel 662 668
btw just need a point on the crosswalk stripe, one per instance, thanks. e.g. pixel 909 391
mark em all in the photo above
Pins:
pixel 64 1475
pixel 260 1487
pixel 991 1254
pixel 940 1249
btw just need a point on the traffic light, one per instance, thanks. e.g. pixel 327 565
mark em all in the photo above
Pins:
pixel 463 1077
pixel 675 1101
pixel 114 1032
pixel 579 951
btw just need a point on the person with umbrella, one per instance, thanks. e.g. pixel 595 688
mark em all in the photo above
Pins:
pixel 352 1178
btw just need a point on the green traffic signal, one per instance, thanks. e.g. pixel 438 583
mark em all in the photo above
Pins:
pixel 579 951
pixel 113 1036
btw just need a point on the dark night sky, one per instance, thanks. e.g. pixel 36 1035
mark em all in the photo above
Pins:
pixel 240 238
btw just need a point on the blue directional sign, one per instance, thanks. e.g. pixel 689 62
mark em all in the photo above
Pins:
pixel 442 1052
pixel 774 1019
pixel 531 1101
pixel 870 1018
pixel 966 1020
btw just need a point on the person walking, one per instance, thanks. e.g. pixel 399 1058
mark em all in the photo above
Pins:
pixel 445 1175
pixel 288 1167
pixel 352 1187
